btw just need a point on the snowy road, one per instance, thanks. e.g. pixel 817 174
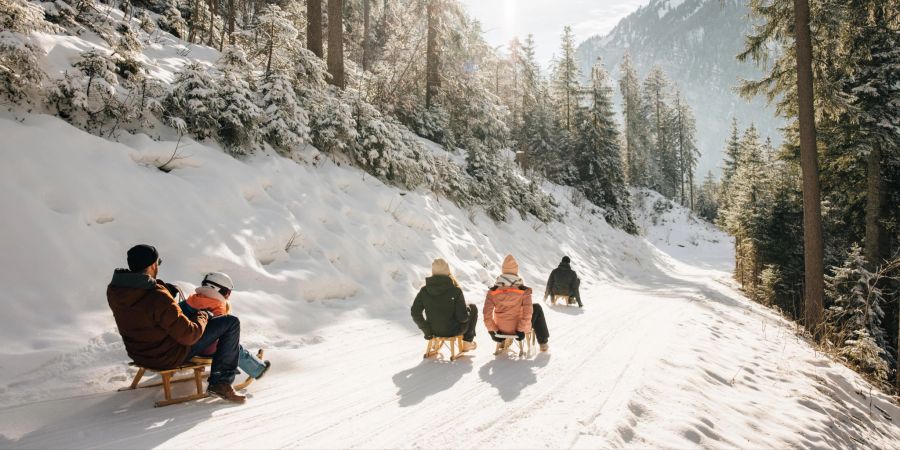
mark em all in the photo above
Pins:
pixel 681 361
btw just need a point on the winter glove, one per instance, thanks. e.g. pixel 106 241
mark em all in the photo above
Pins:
pixel 520 335
pixel 494 336
pixel 429 337
pixel 203 315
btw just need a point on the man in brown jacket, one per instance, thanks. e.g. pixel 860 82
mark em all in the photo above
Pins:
pixel 158 335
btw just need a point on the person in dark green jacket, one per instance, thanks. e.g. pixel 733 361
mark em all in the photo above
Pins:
pixel 445 308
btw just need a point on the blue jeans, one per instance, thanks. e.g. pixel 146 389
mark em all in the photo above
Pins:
pixel 249 364
pixel 226 330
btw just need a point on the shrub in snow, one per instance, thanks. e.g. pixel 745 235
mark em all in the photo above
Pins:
pixel 239 116
pixel 22 16
pixel 195 99
pixel 331 122
pixel 171 20
pixel 20 72
pixel 767 288
pixel 86 96
pixel 128 45
pixel 863 351
pixel 272 41
pixel 147 22
pixel 284 124
pixel 853 322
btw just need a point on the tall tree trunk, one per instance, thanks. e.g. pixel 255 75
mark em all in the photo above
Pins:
pixel 367 40
pixel 270 49
pixel 194 17
pixel 813 253
pixel 876 245
pixel 314 27
pixel 681 153
pixel 231 17
pixel 336 42
pixel 213 10
pixel 691 185
pixel 432 58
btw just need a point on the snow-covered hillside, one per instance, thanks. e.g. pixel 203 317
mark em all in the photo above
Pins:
pixel 326 261
pixel 665 353
pixel 695 43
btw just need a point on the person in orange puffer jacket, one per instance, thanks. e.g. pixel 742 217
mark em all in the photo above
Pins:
pixel 212 296
pixel 508 308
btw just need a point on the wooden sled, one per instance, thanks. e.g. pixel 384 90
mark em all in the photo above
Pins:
pixel 525 346
pixel 167 378
pixel 455 343
pixel 565 299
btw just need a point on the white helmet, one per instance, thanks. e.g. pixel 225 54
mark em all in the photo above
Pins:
pixel 218 280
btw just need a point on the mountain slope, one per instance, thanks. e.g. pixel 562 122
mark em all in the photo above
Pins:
pixel 695 43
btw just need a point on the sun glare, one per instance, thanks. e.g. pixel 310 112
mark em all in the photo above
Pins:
pixel 509 17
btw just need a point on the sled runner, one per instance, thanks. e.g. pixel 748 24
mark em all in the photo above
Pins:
pixel 168 377
pixel 565 299
pixel 525 346
pixel 455 344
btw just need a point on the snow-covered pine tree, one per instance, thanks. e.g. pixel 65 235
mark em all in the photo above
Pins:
pixel 537 133
pixel 171 20
pixel 744 214
pixel 20 72
pixel 273 43
pixel 146 21
pixel 285 123
pixel 194 99
pixel 565 86
pixel 686 152
pixel 86 96
pixel 489 190
pixel 597 157
pixel 707 206
pixel 239 116
pixel 853 322
pixel 663 168
pixel 731 160
pixel 636 128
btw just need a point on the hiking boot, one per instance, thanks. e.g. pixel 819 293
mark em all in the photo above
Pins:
pixel 225 392
pixel 268 364
pixel 468 346
pixel 545 347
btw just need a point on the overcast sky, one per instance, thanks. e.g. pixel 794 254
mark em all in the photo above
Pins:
pixel 504 19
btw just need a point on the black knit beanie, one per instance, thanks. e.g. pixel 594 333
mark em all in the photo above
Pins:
pixel 565 260
pixel 141 256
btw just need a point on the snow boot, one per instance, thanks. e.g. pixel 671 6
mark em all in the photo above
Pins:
pixel 468 346
pixel 545 347
pixel 225 392
pixel 268 364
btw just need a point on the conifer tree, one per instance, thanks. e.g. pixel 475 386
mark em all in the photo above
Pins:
pixel 566 76
pixel 685 143
pixel 597 156
pixel 663 167
pixel 195 101
pixel 635 154
pixel 239 116
pixel 854 321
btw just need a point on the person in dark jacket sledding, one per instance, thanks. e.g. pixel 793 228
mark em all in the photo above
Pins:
pixel 564 281
pixel 445 308
pixel 158 335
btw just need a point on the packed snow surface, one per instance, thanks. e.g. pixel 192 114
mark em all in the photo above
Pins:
pixel 326 260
